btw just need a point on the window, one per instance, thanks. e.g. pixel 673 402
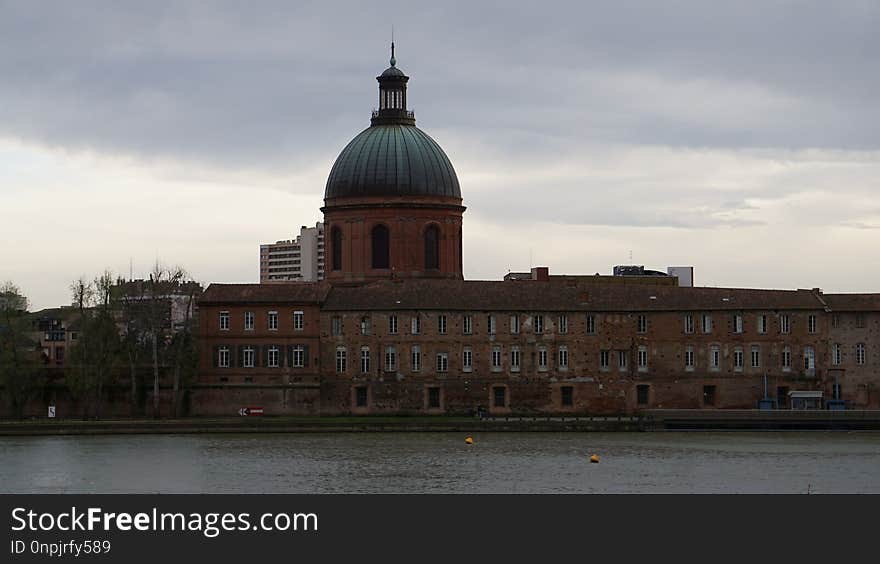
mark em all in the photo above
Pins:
pixel 567 396
pixel 433 398
pixel 249 357
pixel 514 359
pixel 809 359
pixel 539 324
pixel 836 354
pixel 591 325
pixel 708 395
pixel 441 324
pixel 514 324
pixel 689 323
pixel 860 354
pixel 706 322
pixel 390 359
pixel 299 356
pixel 392 325
pixel 689 357
pixel 442 362
pixel 738 359
pixel 642 394
pixel 811 323
pixel 737 323
pixel 762 323
pixel 273 356
pixel 380 246
pixel 224 321
pixel 365 360
pixel 642 324
pixel 340 360
pixel 336 248
pixel 467 359
pixel 643 358
pixel 491 324
pixel 786 359
pixel 835 321
pixel 336 325
pixel 499 396
pixel 467 325
pixel 860 320
pixel 432 248
pixel 756 356
pixel 223 357
pixel 415 358
pixel 784 323
pixel 542 359
pixel 59 354
pixel 496 358
pixel 416 325
pixel 272 319
pixel 563 324
pixel 360 396
pixel 365 325
pixel 248 321
pixel 714 357
pixel 563 357
pixel 621 360
pixel 604 359
pixel 298 321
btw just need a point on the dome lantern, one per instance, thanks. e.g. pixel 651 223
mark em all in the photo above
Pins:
pixel 392 97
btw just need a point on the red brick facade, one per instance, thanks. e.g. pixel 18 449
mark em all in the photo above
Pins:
pixel 567 348
pixel 407 220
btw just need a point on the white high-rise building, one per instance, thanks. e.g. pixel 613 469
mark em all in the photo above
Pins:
pixel 300 259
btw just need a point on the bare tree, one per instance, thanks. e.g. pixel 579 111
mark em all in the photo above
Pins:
pixel 132 298
pixel 163 283
pixel 21 372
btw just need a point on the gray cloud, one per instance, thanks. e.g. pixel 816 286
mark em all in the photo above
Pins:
pixel 278 83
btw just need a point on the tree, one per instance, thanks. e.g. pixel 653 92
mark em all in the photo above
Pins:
pixel 185 350
pixel 21 371
pixel 131 297
pixel 96 349
pixel 163 282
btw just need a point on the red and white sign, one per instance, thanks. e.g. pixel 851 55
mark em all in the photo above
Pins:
pixel 248 411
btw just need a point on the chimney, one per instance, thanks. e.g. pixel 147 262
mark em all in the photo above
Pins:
pixel 541 274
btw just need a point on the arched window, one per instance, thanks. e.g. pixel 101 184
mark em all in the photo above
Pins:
pixel 432 248
pixel 380 247
pixel 336 243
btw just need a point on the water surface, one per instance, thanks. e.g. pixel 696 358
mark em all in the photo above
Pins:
pixel 663 462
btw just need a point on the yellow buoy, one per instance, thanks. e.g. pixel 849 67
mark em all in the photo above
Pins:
pixel 468 440
pixel 594 458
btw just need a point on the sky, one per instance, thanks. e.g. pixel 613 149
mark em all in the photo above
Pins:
pixel 742 138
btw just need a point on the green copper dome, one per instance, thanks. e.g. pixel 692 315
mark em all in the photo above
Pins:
pixel 392 160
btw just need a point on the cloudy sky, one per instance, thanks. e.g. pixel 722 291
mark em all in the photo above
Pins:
pixel 742 138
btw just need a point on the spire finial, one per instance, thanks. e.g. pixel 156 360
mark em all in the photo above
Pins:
pixel 393 60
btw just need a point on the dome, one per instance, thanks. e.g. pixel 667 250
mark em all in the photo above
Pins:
pixel 392 160
pixel 392 71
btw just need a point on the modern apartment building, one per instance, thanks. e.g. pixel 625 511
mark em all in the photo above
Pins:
pixel 300 259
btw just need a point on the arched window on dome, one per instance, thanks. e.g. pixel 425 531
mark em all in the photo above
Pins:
pixel 336 250
pixel 380 247
pixel 432 248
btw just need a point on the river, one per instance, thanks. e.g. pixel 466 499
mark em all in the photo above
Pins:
pixel 661 462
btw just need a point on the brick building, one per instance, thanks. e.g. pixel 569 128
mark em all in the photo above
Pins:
pixel 396 329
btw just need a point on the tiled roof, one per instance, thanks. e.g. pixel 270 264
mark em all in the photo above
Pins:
pixel 293 292
pixel 853 302
pixel 559 296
